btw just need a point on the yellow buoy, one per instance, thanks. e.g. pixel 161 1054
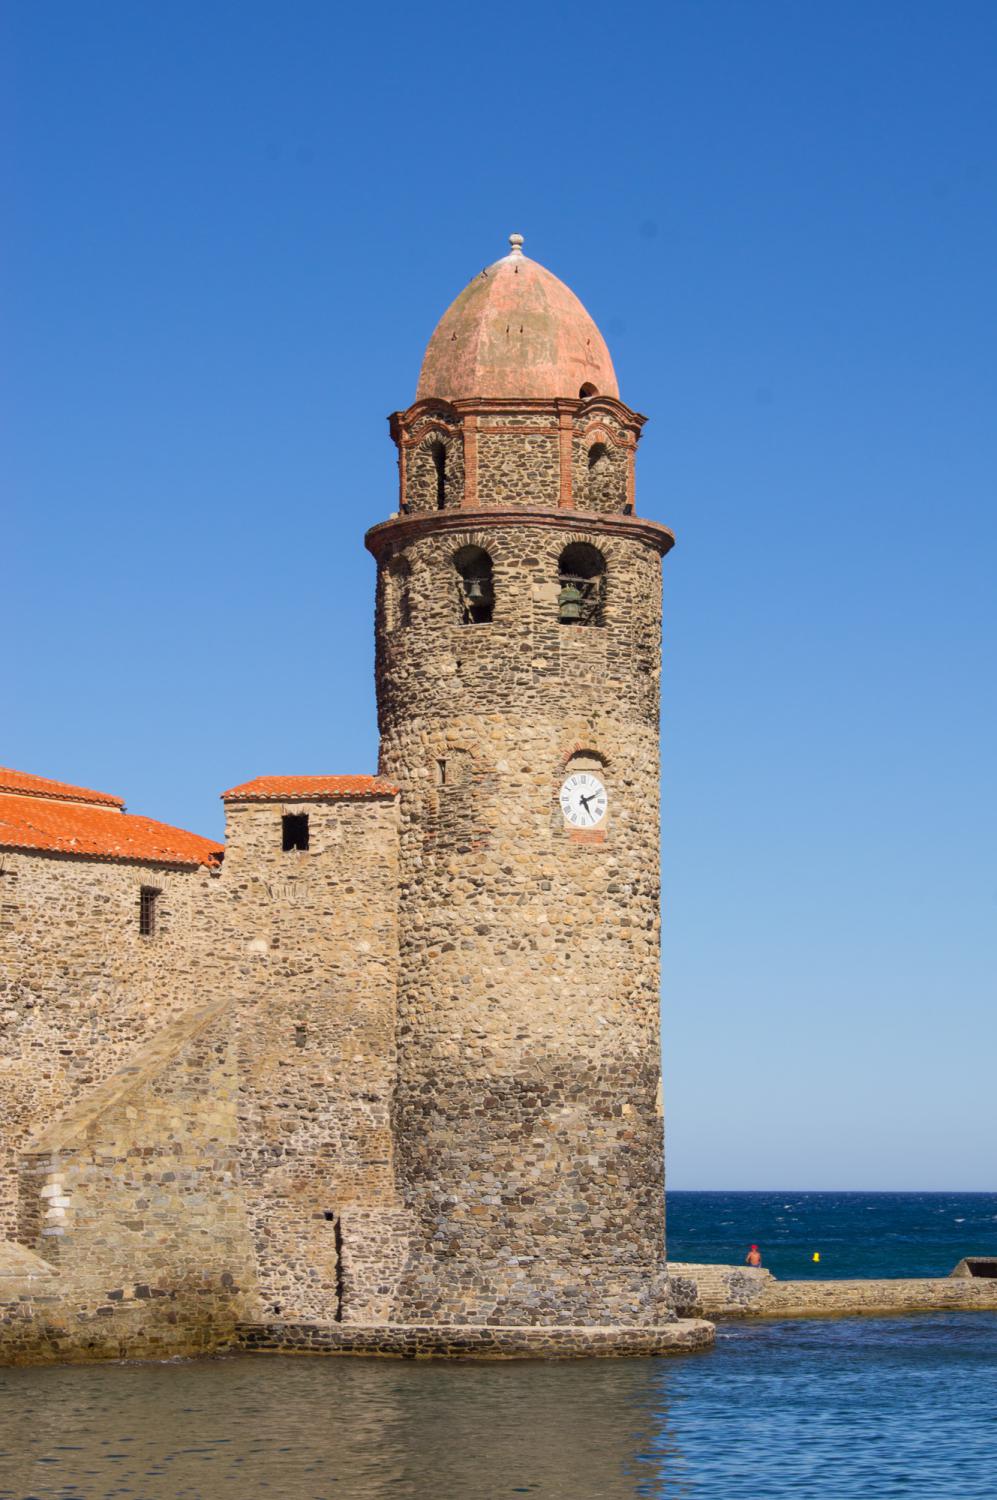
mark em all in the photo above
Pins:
pixel 816 1255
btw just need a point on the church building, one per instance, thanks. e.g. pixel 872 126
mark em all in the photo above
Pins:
pixel 381 1073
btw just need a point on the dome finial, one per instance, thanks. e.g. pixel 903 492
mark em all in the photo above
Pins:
pixel 516 241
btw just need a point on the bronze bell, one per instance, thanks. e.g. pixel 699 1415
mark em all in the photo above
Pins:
pixel 475 591
pixel 569 604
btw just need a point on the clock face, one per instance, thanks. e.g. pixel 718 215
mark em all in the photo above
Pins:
pixel 583 800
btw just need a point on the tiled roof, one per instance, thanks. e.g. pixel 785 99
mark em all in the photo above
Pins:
pixel 27 821
pixel 309 788
pixel 40 786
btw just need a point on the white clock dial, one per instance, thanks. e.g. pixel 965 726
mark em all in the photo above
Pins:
pixel 583 800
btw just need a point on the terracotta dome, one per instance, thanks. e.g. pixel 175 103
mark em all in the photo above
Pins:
pixel 514 331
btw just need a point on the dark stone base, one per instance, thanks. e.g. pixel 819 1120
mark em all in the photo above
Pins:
pixel 473 1341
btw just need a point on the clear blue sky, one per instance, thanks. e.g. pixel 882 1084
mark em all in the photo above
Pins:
pixel 230 230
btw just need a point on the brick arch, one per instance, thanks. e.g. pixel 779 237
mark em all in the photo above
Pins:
pixel 597 433
pixel 473 537
pixel 425 410
pixel 556 542
pixel 583 747
pixel 433 433
pixel 475 760
pixel 609 409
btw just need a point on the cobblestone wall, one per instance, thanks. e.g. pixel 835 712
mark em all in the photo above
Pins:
pixel 133 1200
pixel 528 1132
pixel 313 934
pixel 518 468
pixel 525 663
pixel 80 987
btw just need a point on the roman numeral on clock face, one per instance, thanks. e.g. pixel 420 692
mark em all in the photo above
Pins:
pixel 584 800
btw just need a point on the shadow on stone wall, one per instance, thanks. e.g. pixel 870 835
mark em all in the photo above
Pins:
pixel 134 1232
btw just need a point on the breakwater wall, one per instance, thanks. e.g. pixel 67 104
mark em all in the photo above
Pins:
pixel 475 1341
pixel 718 1291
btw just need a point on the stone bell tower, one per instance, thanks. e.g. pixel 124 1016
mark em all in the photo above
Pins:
pixel 518 663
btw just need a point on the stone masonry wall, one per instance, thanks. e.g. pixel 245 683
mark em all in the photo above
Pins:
pixel 528 1125
pixel 603 486
pixel 422 478
pixel 517 467
pixel 719 1291
pixel 702 1290
pixel 526 453
pixel 524 662
pixel 133 1199
pixel 303 947
pixel 313 934
pixel 80 987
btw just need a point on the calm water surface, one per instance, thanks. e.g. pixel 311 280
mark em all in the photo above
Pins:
pixel 850 1408
pixel 863 1408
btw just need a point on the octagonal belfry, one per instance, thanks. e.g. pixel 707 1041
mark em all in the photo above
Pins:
pixel 518 665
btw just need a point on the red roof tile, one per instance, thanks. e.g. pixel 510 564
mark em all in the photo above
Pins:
pixel 40 786
pixel 309 788
pixel 29 821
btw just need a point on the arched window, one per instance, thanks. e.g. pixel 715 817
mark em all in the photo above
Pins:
pixel 476 585
pixel 588 389
pixel 602 479
pixel 582 576
pixel 432 473
pixel 438 453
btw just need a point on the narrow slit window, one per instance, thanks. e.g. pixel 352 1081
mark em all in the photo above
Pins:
pixel 148 897
pixel 439 455
pixel 337 1230
pixel 441 773
pixel 294 830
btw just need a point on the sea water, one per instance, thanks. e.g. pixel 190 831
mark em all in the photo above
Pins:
pixel 855 1234
pixel 850 1407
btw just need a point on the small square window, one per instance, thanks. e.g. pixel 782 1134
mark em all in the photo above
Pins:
pixel 294 831
pixel 148 897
